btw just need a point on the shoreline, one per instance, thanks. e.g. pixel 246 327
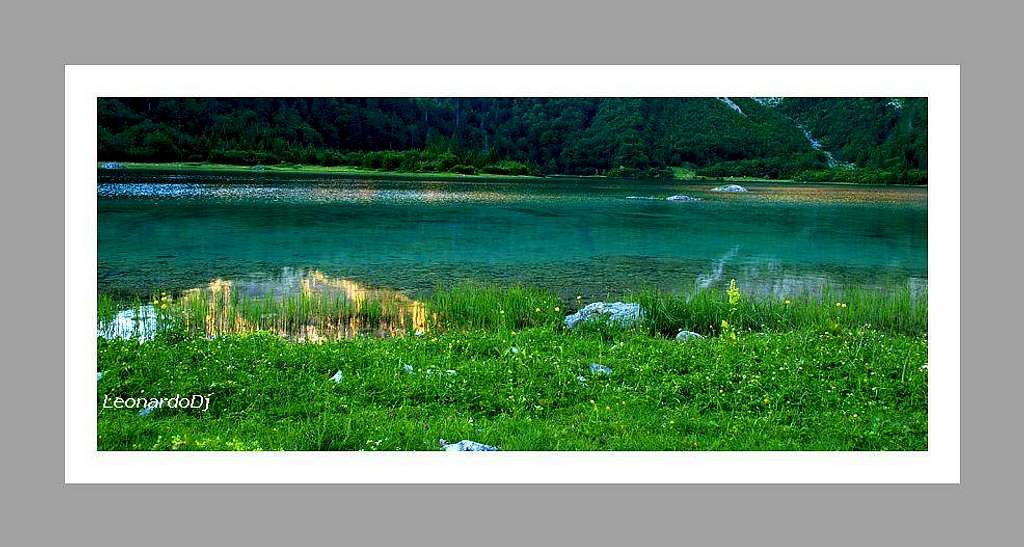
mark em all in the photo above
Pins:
pixel 359 172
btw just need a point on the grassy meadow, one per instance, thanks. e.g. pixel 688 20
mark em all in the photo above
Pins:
pixel 832 371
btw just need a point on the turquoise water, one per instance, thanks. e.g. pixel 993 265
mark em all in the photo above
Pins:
pixel 588 237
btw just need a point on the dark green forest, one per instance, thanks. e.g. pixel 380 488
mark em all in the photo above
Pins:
pixel 861 140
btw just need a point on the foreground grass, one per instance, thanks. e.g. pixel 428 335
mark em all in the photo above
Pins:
pixel 825 372
pixel 521 390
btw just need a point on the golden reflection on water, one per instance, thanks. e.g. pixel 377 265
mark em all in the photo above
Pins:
pixel 847 193
pixel 325 308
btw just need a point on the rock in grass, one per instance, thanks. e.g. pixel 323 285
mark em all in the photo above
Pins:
pixel 99 376
pixel 582 379
pixel 466 446
pixel 681 197
pixel 620 314
pixel 337 377
pixel 600 370
pixel 146 411
pixel 685 335
pixel 408 369
pixel 514 350
pixel 729 188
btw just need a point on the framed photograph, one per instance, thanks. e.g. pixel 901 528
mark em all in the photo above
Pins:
pixel 610 274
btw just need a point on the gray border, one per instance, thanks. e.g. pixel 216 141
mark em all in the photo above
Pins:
pixel 187 31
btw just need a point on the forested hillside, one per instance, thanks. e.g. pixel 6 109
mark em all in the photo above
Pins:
pixel 877 140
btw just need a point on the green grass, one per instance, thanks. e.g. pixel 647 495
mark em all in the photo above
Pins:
pixel 803 390
pixel 690 173
pixel 897 311
pixel 807 375
pixel 474 306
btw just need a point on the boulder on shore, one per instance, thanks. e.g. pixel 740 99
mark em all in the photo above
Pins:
pixel 685 335
pixel 729 188
pixel 621 314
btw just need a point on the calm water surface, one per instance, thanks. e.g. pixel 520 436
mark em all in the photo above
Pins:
pixel 592 237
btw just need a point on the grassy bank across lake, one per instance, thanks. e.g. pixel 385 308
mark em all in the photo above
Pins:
pixel 679 174
pixel 339 170
pixel 496 365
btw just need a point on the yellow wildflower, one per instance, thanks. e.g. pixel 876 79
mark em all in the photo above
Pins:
pixel 788 302
pixel 734 293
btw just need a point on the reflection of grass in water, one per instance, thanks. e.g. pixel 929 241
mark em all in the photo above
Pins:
pixel 307 314
pixel 318 315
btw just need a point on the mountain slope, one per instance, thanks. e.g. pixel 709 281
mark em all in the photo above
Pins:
pixel 627 136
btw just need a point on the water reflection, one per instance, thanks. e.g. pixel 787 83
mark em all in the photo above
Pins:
pixel 306 306
pixel 573 237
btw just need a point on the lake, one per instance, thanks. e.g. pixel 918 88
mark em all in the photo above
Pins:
pixel 576 236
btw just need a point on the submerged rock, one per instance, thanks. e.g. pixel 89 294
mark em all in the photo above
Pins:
pixel 337 377
pixel 682 197
pixel 641 197
pixel 600 370
pixel 111 165
pixel 466 446
pixel 729 188
pixel 685 335
pixel 616 313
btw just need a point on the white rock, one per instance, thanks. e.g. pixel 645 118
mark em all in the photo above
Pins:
pixel 466 446
pixel 618 313
pixel 337 377
pixel 685 335
pixel 729 188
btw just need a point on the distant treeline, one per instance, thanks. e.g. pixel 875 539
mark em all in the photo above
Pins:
pixel 579 136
